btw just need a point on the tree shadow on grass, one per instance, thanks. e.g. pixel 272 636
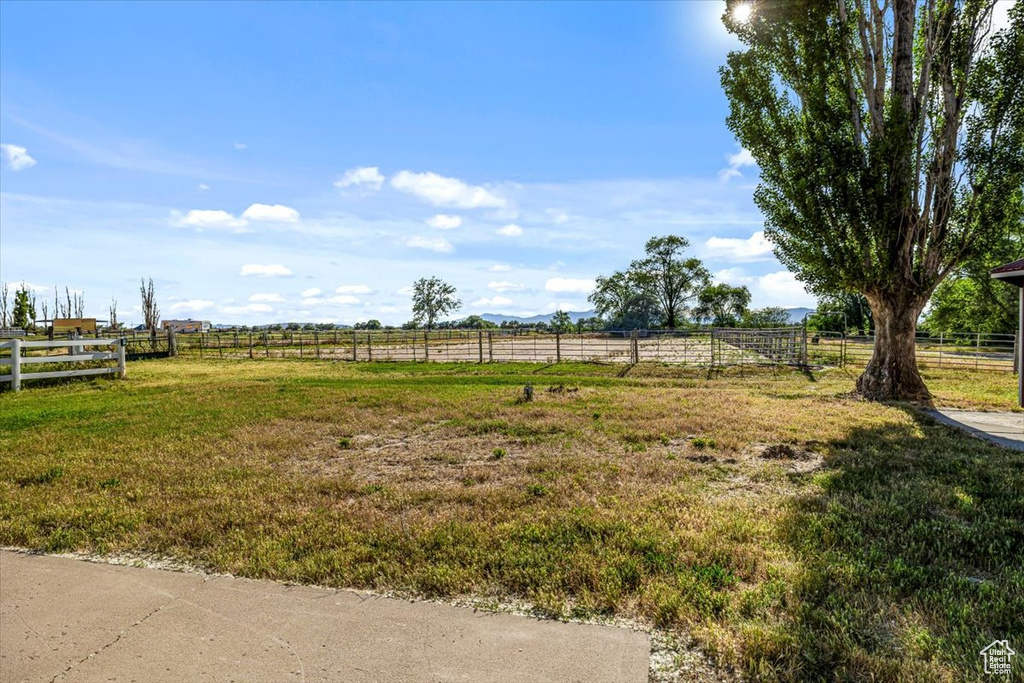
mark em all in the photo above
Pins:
pixel 911 560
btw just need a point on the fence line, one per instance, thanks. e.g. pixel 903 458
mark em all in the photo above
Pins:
pixel 76 355
pixel 711 348
pixel 703 347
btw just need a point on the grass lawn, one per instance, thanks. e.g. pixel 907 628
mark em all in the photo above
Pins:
pixel 797 533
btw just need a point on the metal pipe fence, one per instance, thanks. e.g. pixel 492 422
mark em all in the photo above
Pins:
pixel 720 347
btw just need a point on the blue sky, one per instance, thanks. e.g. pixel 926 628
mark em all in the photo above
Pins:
pixel 270 162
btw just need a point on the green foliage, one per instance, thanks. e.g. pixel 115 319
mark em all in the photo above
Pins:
pixel 373 324
pixel 722 305
pixel 561 322
pixel 621 300
pixel 843 173
pixel 24 312
pixel 962 305
pixel 668 277
pixel 654 290
pixel 431 299
pixel 475 322
pixel 971 300
pixel 847 312
pixel 772 316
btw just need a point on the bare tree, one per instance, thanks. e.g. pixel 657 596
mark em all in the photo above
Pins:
pixel 70 307
pixel 5 312
pixel 79 299
pixel 112 317
pixel 46 311
pixel 32 305
pixel 150 312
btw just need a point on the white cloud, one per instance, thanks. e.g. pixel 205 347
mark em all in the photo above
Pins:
pixel 492 301
pixel 202 186
pixel 214 219
pixel 783 287
pixel 510 230
pixel 500 268
pixel 312 291
pixel 353 289
pixel 740 159
pixel 563 306
pixel 444 222
pixel 192 305
pixel 732 276
pixel 438 244
pixel 505 286
pixel 364 176
pixel 557 216
pixel 17 157
pixel 269 298
pixel 405 291
pixel 248 308
pixel 240 145
pixel 268 270
pixel 566 284
pixel 754 248
pixel 271 212
pixel 442 191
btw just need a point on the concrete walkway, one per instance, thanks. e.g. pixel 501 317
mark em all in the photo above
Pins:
pixel 1005 429
pixel 70 620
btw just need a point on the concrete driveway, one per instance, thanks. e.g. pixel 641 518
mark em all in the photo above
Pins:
pixel 1005 429
pixel 71 620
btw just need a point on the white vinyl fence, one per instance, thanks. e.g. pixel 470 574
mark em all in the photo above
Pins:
pixel 32 353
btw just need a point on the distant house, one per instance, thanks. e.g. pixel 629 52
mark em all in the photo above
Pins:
pixel 187 326
pixel 79 325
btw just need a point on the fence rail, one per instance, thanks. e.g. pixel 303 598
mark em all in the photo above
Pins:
pixel 19 353
pixel 703 347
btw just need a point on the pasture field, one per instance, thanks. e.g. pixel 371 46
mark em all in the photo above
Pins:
pixel 792 531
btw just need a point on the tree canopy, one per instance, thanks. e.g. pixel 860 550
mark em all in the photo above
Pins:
pixel 431 299
pixel 722 305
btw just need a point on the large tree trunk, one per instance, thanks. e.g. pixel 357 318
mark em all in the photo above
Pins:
pixel 891 374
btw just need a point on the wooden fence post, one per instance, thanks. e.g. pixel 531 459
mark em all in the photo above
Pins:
pixel 480 345
pixel 355 341
pixel 316 341
pixel 201 335
pixel 250 346
pixel 490 347
pixel 16 364
pixel 426 345
pixel 558 347
pixel 122 366
pixel 369 346
pixel 220 347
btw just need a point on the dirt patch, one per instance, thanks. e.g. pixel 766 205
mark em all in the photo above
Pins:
pixel 794 458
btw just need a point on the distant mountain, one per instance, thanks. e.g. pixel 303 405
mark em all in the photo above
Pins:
pixel 498 318
pixel 796 315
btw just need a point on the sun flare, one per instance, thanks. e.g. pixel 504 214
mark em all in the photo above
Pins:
pixel 741 12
